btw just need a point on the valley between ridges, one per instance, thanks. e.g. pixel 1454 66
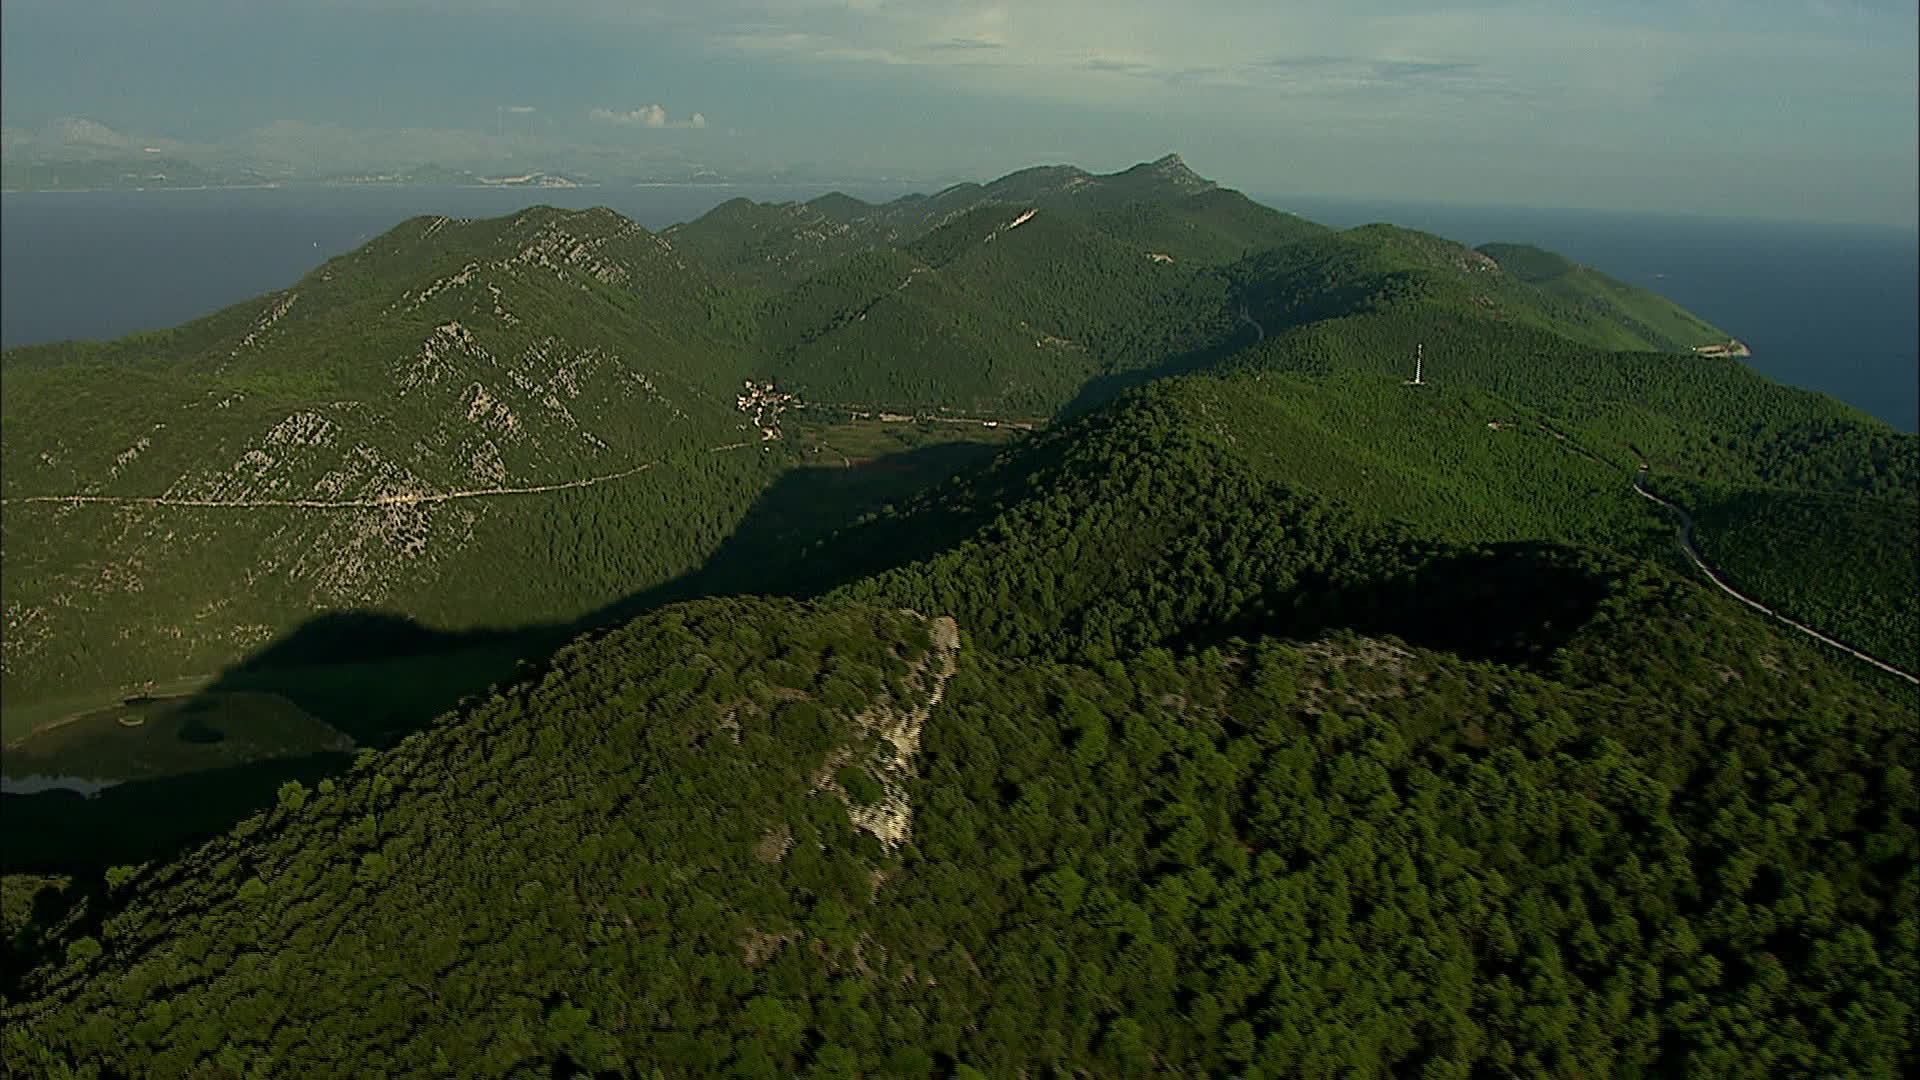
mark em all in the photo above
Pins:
pixel 1684 537
pixel 417 498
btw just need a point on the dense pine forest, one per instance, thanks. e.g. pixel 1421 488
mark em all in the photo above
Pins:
pixel 1031 630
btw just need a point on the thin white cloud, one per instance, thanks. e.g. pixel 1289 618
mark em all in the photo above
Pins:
pixel 652 116
pixel 646 116
pixel 1469 63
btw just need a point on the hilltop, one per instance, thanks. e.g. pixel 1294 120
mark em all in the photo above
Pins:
pixel 1161 207
pixel 1031 628
pixel 332 446
pixel 736 835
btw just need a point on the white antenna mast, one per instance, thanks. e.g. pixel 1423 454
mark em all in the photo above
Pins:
pixel 1419 363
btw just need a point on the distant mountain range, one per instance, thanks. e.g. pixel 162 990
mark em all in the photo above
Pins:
pixel 82 155
pixel 1043 627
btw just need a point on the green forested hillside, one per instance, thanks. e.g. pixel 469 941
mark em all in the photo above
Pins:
pixel 1195 510
pixel 761 840
pixel 770 245
pixel 1382 266
pixel 1780 545
pixel 1215 227
pixel 1159 207
pixel 1003 311
pixel 1034 629
pixel 176 500
pixel 1660 321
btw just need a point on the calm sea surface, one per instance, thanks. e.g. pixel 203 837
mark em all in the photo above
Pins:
pixel 1830 308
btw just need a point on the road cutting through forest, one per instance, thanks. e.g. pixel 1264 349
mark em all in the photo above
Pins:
pixel 403 499
pixel 409 498
pixel 1686 544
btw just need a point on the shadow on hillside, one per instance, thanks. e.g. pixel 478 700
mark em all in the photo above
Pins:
pixel 1104 388
pixel 378 677
pixel 339 637
pixel 778 549
pixel 1515 603
pixel 130 823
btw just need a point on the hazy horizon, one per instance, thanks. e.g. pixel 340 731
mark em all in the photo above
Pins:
pixel 1769 110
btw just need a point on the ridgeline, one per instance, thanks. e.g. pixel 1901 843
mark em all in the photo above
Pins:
pixel 1027 630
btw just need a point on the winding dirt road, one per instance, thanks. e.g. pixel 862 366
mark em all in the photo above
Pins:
pixel 406 499
pixel 1686 544
pixel 413 498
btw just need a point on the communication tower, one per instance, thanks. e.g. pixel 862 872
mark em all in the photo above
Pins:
pixel 1419 365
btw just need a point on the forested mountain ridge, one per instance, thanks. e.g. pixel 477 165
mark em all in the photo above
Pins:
pixel 1657 320
pixel 1259 714
pixel 381 411
pixel 1002 311
pixel 412 320
pixel 1376 266
pixel 1161 207
pixel 1343 857
pixel 324 447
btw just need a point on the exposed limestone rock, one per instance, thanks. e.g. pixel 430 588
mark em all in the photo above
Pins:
pixel 274 314
pixel 897 726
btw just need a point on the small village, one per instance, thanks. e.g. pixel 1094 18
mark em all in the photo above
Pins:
pixel 765 404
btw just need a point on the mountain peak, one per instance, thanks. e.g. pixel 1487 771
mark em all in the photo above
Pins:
pixel 1171 171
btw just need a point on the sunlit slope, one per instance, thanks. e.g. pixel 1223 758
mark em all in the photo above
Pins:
pixel 446 422
pixel 1658 321
pixel 1204 506
pixel 1689 416
pixel 1367 301
pixel 1379 266
pixel 771 245
pixel 1006 309
pixel 1112 532
pixel 1832 544
pixel 1160 207
pixel 1213 227
pixel 1704 426
pixel 1845 563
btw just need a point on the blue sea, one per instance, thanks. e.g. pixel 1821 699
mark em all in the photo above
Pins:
pixel 1830 308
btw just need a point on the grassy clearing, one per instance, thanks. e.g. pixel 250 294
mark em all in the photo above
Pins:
pixel 849 443
pixel 19 721
pixel 151 737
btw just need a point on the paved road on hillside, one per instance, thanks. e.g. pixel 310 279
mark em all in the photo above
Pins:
pixel 1686 544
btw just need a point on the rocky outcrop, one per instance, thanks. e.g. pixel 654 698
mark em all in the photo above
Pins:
pixel 886 740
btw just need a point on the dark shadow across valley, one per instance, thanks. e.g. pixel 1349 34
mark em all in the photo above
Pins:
pixel 378 677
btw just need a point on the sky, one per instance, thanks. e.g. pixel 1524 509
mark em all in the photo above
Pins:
pixel 1780 109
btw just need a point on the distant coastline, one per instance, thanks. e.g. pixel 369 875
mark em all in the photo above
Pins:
pixel 167 187
pixel 447 185
pixel 114 262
